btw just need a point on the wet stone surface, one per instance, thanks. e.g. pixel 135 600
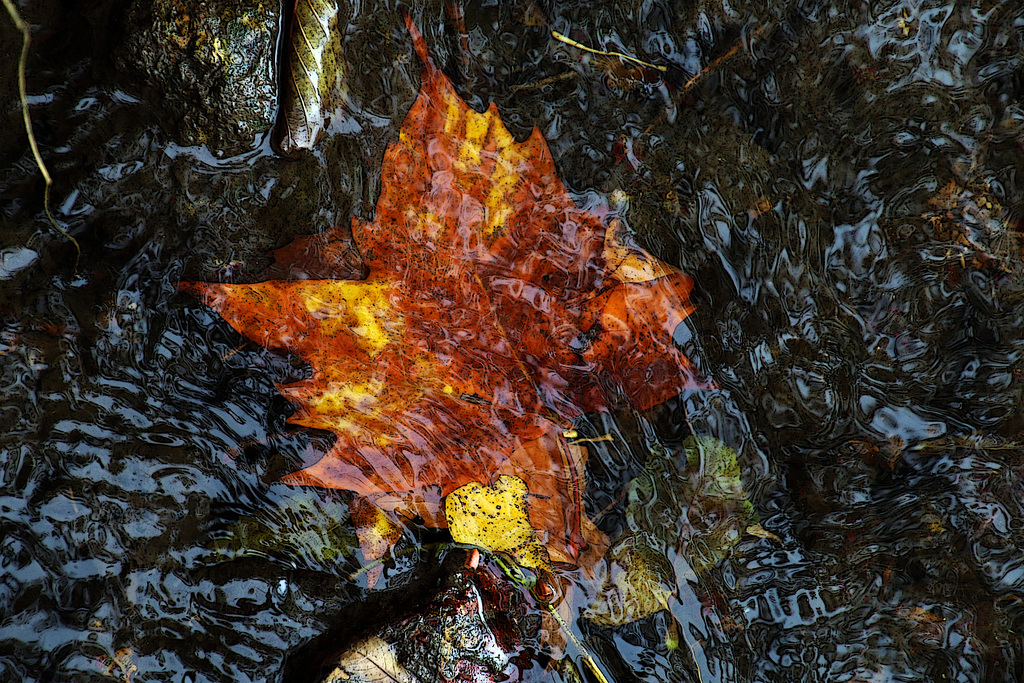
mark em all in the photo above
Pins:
pixel 211 65
pixel 462 624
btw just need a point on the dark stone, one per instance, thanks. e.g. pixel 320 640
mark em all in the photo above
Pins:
pixel 451 624
pixel 212 65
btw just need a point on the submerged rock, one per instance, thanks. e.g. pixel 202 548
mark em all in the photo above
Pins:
pixel 212 64
pixel 463 624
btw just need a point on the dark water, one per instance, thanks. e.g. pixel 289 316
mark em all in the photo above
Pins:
pixel 861 316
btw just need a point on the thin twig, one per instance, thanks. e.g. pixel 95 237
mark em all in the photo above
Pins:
pixel 26 39
pixel 596 439
pixel 719 60
pixel 608 53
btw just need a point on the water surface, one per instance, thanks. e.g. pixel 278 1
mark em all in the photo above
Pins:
pixel 845 190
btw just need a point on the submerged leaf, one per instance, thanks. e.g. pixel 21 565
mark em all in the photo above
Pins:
pixel 370 661
pixel 700 510
pixel 494 312
pixel 496 518
pixel 687 509
pixel 304 528
pixel 760 532
pixel 639 582
pixel 377 535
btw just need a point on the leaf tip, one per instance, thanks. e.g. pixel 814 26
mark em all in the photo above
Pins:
pixel 417 37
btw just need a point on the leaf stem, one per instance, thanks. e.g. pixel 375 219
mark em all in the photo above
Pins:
pixel 26 39
pixel 516 575
pixel 584 652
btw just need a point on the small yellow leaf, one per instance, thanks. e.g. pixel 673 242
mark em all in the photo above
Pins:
pixel 496 518
pixel 761 532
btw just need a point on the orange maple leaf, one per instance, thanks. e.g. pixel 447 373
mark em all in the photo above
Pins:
pixel 495 311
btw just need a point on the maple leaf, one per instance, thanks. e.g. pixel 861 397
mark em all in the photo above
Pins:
pixel 494 312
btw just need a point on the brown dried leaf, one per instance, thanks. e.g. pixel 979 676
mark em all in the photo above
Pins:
pixel 370 661
pixel 313 85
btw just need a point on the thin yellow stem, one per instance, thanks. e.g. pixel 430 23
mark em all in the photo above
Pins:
pixel 584 652
pixel 596 439
pixel 569 41
pixel 26 39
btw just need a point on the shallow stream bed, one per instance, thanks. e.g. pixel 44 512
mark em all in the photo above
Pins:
pixel 843 187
